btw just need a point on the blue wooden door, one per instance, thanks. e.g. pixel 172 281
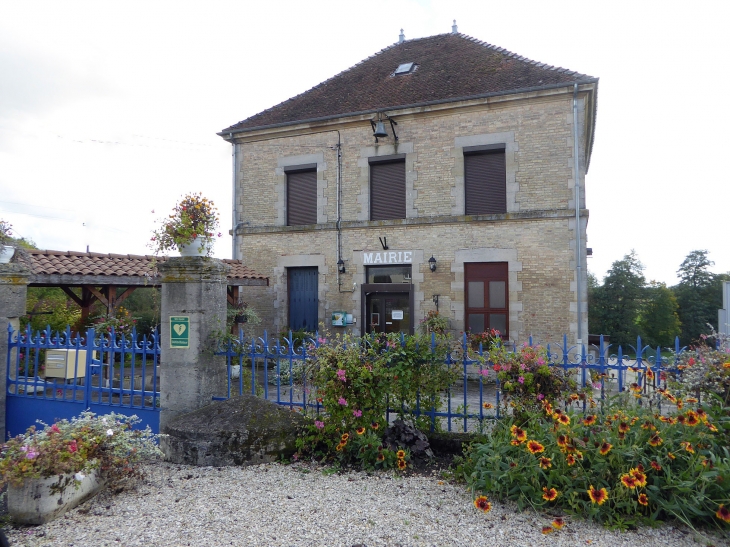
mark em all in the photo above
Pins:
pixel 303 301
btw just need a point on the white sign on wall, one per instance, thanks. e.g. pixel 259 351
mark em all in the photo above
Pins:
pixel 388 257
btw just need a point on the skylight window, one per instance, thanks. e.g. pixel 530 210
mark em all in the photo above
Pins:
pixel 404 68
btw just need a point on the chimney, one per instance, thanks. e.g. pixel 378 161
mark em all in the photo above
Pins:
pixel 454 28
pixel 401 37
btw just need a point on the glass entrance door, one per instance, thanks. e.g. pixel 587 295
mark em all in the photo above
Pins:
pixel 388 312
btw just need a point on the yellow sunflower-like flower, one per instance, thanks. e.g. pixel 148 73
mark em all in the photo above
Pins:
pixel 482 504
pixel 564 419
pixel 570 459
pixel 345 437
pixel 488 406
pixel 402 464
pixel 643 499
pixel 723 513
pixel 535 447
pixel 655 440
pixel 400 454
pixel 360 430
pixel 546 463
pixel 598 497
pixel 605 448
pixel 628 481
pixel 558 523
pixel 589 420
pixel 549 494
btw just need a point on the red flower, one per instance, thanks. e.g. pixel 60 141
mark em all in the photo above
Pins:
pixel 482 504
pixel 549 493
pixel 643 499
pixel 597 496
pixel 723 513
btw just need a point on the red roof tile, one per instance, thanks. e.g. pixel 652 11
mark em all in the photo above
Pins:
pixel 449 67
pixel 76 263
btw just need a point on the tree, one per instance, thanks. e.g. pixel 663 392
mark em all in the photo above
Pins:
pixel 698 295
pixel 618 302
pixel 659 321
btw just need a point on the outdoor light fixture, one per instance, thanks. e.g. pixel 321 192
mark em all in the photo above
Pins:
pixel 341 266
pixel 432 264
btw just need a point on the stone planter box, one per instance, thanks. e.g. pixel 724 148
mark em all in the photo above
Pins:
pixel 35 503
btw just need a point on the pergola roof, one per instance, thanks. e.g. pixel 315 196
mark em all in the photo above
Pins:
pixel 71 268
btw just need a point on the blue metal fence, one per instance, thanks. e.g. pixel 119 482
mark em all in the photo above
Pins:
pixel 271 368
pixel 52 376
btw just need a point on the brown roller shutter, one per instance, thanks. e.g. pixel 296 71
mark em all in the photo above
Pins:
pixel 485 183
pixel 301 198
pixel 387 190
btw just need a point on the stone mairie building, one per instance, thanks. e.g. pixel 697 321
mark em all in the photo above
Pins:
pixel 438 173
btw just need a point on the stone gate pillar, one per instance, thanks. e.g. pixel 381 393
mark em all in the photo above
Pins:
pixel 193 308
pixel 13 292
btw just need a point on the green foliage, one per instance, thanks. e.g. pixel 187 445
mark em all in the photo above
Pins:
pixel 526 379
pixel 699 295
pixel 616 304
pixel 355 379
pixel 658 320
pixel 6 232
pixel 648 466
pixel 435 322
pixel 50 306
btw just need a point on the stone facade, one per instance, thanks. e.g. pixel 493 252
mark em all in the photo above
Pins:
pixel 536 237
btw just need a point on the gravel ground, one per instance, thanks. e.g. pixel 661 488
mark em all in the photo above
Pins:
pixel 302 505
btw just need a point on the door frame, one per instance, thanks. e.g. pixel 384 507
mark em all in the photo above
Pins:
pixel 369 288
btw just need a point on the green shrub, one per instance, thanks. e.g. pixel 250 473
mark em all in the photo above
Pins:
pixel 626 466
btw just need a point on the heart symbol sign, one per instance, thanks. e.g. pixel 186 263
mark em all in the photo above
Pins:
pixel 179 329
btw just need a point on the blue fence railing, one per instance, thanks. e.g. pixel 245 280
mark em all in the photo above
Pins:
pixel 57 375
pixel 272 369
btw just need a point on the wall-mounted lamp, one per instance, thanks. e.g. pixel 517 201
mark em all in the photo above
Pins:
pixel 432 264
pixel 341 266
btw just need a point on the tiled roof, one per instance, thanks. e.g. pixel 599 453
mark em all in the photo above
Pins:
pixel 449 67
pixel 96 264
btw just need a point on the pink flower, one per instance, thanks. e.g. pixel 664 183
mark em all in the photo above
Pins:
pixel 54 429
pixel 523 366
pixel 72 446
pixel 341 375
pixel 357 413
pixel 484 372
pixel 540 396
pixel 318 424
pixel 540 361
pixel 496 368
pixel 342 401
pixel 521 379
pixel 322 340
pixel 31 454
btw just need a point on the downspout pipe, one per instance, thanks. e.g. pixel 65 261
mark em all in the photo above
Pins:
pixel 234 211
pixel 578 243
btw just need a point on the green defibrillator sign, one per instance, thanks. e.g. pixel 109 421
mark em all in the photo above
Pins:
pixel 179 331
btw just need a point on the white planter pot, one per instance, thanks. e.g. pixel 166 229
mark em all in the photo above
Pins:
pixel 235 372
pixel 6 253
pixel 198 247
pixel 35 503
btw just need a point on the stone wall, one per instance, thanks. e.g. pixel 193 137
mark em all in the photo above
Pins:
pixel 536 236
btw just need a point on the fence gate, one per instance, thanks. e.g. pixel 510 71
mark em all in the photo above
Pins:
pixel 55 376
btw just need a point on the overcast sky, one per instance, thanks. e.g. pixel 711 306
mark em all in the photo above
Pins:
pixel 109 111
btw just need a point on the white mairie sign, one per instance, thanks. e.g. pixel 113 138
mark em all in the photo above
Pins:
pixel 388 257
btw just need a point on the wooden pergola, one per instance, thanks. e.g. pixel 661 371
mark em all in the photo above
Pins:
pixel 111 278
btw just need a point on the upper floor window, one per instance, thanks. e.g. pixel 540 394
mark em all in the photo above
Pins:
pixel 301 195
pixel 485 180
pixel 387 187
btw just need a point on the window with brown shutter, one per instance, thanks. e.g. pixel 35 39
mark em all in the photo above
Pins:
pixel 485 180
pixel 301 195
pixel 388 188
pixel 487 297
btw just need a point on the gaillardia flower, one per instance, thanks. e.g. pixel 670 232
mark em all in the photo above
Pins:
pixel 605 448
pixel 723 513
pixel 589 420
pixel 360 430
pixel 549 494
pixel 400 454
pixel 545 462
pixel 643 499
pixel 535 447
pixel 482 504
pixel 402 464
pixel 558 523
pixel 597 496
